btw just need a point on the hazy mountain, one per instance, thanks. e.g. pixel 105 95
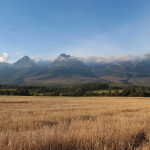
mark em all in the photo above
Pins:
pixel 24 62
pixel 16 73
pixel 143 66
pixel 67 65
pixel 66 69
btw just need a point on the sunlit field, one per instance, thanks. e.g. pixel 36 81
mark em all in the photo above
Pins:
pixel 61 123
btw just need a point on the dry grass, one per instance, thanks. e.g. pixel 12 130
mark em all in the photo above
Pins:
pixel 59 123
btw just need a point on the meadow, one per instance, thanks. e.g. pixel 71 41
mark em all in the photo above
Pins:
pixel 106 91
pixel 74 123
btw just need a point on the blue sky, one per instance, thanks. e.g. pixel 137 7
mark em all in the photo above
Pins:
pixel 46 28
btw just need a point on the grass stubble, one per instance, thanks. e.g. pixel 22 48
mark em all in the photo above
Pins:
pixel 61 123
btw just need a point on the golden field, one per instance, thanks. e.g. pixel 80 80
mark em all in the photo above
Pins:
pixel 66 123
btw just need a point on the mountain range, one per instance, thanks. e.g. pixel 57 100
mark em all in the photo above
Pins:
pixel 66 69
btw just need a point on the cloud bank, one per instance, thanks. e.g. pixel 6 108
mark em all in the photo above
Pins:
pixel 88 60
pixel 111 59
pixel 97 59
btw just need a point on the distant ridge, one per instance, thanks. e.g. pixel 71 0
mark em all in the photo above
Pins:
pixel 66 69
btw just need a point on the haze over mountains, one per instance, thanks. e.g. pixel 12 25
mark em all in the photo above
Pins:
pixel 66 69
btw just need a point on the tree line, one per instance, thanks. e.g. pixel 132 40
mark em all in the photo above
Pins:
pixel 87 89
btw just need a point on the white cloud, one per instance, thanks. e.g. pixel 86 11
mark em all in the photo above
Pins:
pixel 18 53
pixel 37 58
pixel 4 57
pixel 53 58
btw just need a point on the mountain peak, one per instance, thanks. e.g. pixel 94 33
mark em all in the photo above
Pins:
pixel 24 62
pixel 26 57
pixel 64 57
